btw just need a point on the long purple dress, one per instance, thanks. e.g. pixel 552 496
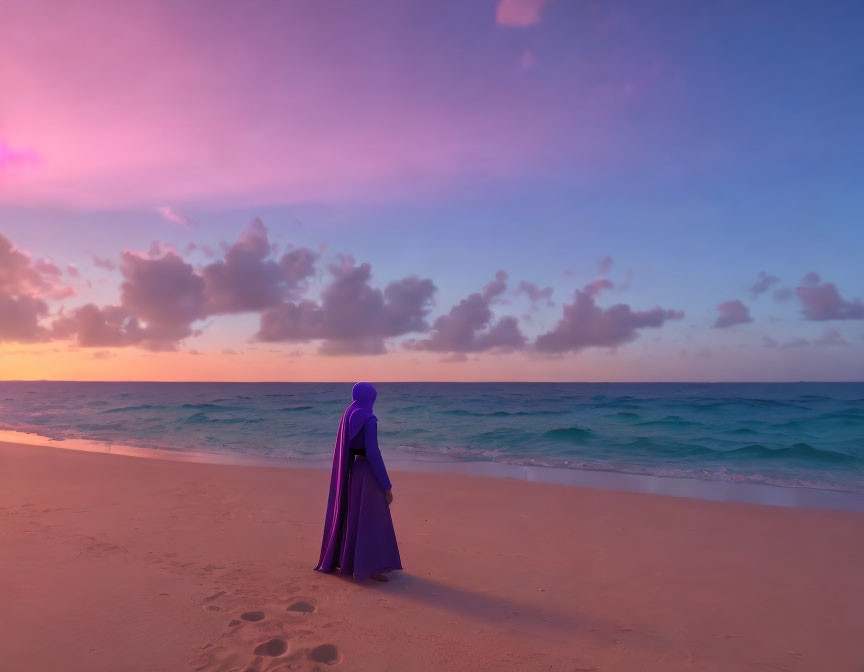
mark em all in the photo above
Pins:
pixel 359 537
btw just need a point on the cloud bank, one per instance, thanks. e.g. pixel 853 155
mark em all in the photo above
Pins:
pixel 164 300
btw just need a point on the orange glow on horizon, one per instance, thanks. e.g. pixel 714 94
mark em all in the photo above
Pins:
pixel 293 364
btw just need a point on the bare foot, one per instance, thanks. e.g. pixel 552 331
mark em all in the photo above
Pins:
pixel 378 577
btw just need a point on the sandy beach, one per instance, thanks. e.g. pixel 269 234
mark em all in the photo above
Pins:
pixel 116 563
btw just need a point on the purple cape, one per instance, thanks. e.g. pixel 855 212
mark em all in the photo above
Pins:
pixel 353 419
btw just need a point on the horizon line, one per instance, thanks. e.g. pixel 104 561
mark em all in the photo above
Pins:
pixel 446 382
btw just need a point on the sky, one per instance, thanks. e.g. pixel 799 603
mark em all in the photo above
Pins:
pixel 466 190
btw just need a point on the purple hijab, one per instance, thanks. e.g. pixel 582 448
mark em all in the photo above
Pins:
pixel 353 419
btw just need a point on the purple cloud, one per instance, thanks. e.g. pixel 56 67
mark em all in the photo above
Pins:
pixel 19 318
pixel 160 299
pixel 352 317
pixel 763 284
pixel 732 313
pixel 165 294
pixel 595 287
pixel 821 301
pixel 468 326
pixel 23 285
pixel 246 280
pixel 47 267
pixel 162 295
pixel 92 326
pixel 585 324
pixel 495 288
pixel 18 275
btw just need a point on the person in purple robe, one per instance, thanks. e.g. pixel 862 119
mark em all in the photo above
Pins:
pixel 358 531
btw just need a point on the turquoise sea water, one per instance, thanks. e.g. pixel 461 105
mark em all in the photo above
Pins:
pixel 787 434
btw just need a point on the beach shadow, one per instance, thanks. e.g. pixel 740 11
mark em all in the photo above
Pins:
pixel 510 614
pixel 480 606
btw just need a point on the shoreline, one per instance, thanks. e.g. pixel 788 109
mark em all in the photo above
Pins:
pixel 704 489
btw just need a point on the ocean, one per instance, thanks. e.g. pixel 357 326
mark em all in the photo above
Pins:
pixel 795 435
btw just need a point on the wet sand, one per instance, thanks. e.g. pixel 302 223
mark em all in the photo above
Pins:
pixel 117 563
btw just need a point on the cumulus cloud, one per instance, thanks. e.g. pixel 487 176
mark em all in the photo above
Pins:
pixel 164 293
pixel 19 318
pixel 18 275
pixel 732 313
pixel 160 299
pixel 822 301
pixel 519 13
pixel 92 326
pixel 24 284
pixel 763 284
pixel 585 324
pixel 352 316
pixel 246 280
pixel 468 327
pixel 47 267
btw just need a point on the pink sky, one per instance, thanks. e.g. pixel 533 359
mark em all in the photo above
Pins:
pixel 186 108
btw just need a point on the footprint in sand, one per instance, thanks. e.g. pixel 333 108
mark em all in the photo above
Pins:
pixel 266 640
pixel 249 651
pixel 326 653
pixel 272 648
pixel 253 616
pixel 303 605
